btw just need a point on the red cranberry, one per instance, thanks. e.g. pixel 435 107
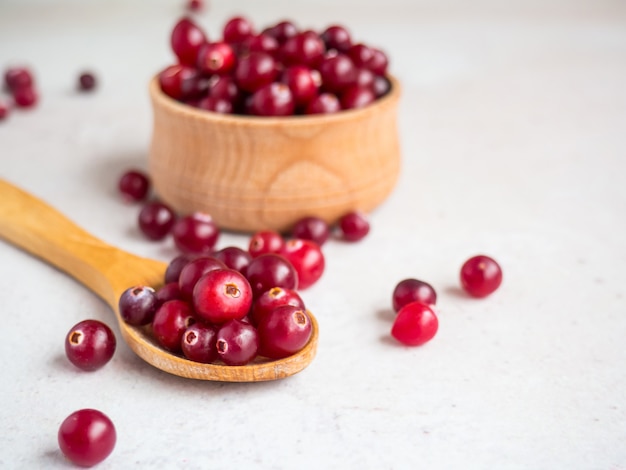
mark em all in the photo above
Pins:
pixel 234 258
pixel 304 48
pixel 378 62
pixel 265 241
pixel 353 226
pixel 18 77
pixel 255 71
pixel 196 233
pixel 338 73
pixel 169 291
pixel 90 344
pixel 415 324
pixel 357 97
pixel 186 40
pixel 224 87
pixel 381 86
pixel 87 437
pixel 216 57
pixel 4 110
pixel 175 266
pixel 274 99
pixel 182 82
pixel 325 103
pixel 198 343
pixel 156 219
pixel 237 29
pixel 216 105
pixel 281 31
pixel 307 259
pixel 138 304
pixel 86 81
pixel 170 322
pixel 237 343
pixel 271 270
pixel 134 185
pixel 193 271
pixel 274 298
pixel 260 43
pixel 337 37
pixel 481 276
pixel 284 331
pixel 303 83
pixel 25 97
pixel 360 54
pixel 195 5
pixel 413 290
pixel 365 78
pixel 221 295
pixel 311 228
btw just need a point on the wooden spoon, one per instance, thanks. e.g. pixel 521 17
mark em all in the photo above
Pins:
pixel 34 226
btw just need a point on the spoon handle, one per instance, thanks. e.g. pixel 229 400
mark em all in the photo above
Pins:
pixel 41 230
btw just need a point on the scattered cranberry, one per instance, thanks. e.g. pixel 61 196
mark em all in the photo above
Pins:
pixel 90 344
pixel 284 331
pixel 193 271
pixel 216 57
pixel 134 185
pixel 137 305
pixel 415 324
pixel 481 276
pixel 234 258
pixel 86 81
pixel 265 241
pixel 196 233
pixel 337 37
pixel 170 322
pixel 307 259
pixel 221 295
pixel 195 5
pixel 237 343
pixel 272 299
pixel 186 40
pixel 237 30
pixel 156 220
pixel 87 437
pixel 198 343
pixel 311 228
pixel 25 97
pixel 256 70
pixel 325 103
pixel 413 290
pixel 4 110
pixel 18 77
pixel 356 97
pixel 353 226
pixel 271 270
pixel 175 266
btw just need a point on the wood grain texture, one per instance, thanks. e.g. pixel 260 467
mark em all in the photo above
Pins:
pixel 251 173
pixel 39 229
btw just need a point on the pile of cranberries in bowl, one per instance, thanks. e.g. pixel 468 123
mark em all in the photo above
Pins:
pixel 280 70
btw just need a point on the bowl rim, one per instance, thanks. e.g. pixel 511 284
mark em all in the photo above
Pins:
pixel 161 99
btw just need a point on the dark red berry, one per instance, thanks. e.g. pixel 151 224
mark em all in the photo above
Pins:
pixel 25 97
pixel 224 87
pixel 307 259
pixel 167 292
pixel 234 258
pixel 360 54
pixel 137 305
pixel 260 43
pixel 182 82
pixel 274 298
pixel 216 57
pixel 281 31
pixel 365 78
pixel 415 324
pixel 337 37
pixel 221 295
pixel 353 226
pixel 413 290
pixel 304 48
pixel 4 110
pixel 325 103
pixel 378 62
pixel 90 344
pixel 254 71
pixel 303 83
pixel 156 220
pixel 265 241
pixel 311 228
pixel 18 77
pixel 237 29
pixel 87 437
pixel 284 331
pixel 86 81
pixel 195 5
pixel 355 97
pixel 198 343
pixel 338 73
pixel 196 233
pixel 216 105
pixel 170 322
pixel 237 343
pixel 271 270
pixel 175 266
pixel 186 40
pixel 274 99
pixel 193 271
pixel 134 185
pixel 481 276
pixel 381 86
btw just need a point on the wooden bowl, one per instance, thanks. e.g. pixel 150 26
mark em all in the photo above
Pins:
pixel 254 173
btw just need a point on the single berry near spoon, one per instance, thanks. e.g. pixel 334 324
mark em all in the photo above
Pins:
pixel 480 276
pixel 353 226
pixel 90 344
pixel 138 305
pixel 413 290
pixel 87 437
pixel 87 81
pixel 196 233
pixel 156 220
pixel 134 185
pixel 415 324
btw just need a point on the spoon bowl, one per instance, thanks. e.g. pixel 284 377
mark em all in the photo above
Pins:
pixel 36 227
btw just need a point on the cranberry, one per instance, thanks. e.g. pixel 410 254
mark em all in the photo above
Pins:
pixel 284 331
pixel 281 31
pixel 18 77
pixel 336 37
pixel 304 48
pixel 224 87
pixel 170 322
pixel 195 5
pixel 311 228
pixel 265 241
pixel 186 40
pixel 216 57
pixel 216 105
pixel 4 110
pixel 237 29
pixel 221 295
pixel 193 271
pixel 87 437
pixel 260 43
pixel 303 83
pixel 274 298
pixel 198 343
pixel 90 344
pixel 134 185
pixel 169 291
pixel 307 259
pixel 138 304
pixel 196 233
pixel 365 78
pixel 360 54
pixel 86 81
pixel 182 82
pixel 481 276
pixel 381 86
pixel 175 266
pixel 413 290
pixel 271 270
pixel 378 62
pixel 353 226
pixel 255 71
pixel 338 73
pixel 156 219
pixel 274 99
pixel 25 97
pixel 237 343
pixel 325 103
pixel 357 97
pixel 415 324
pixel 234 258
